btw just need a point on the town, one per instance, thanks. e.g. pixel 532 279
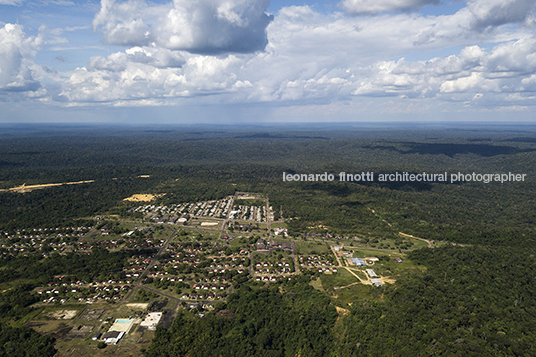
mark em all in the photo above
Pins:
pixel 188 255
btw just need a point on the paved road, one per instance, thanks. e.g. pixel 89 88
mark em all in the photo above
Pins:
pixel 226 220
pixel 153 261
pixel 268 220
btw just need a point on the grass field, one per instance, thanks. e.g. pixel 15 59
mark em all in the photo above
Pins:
pixel 305 248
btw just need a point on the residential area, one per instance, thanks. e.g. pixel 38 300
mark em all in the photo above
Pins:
pixel 170 264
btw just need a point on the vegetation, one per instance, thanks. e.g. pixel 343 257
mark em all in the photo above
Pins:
pixel 471 295
pixel 24 342
pixel 255 323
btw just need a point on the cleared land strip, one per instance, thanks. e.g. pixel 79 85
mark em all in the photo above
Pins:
pixel 402 234
pixel 365 282
pixel 346 286
pixel 410 236
pixel 24 188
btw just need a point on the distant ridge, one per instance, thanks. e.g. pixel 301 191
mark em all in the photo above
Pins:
pixel 270 136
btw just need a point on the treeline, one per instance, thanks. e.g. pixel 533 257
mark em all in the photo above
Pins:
pixel 475 301
pixel 25 273
pixel 100 264
pixel 24 342
pixel 297 322
pixel 58 206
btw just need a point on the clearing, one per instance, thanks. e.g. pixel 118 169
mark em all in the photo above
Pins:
pixel 23 188
pixel 142 197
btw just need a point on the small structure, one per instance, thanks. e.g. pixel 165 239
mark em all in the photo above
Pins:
pixel 112 337
pixel 359 262
pixel 376 282
pixel 371 273
pixel 151 320
pixel 261 244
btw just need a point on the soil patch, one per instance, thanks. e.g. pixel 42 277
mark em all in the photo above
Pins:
pixel 142 198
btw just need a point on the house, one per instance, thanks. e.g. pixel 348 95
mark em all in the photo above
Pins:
pixel 376 282
pixel 112 337
pixel 359 262
pixel 371 273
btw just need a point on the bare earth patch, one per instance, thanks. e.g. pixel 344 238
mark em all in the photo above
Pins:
pixel 342 311
pixel 388 280
pixel 62 314
pixel 142 197
pixel 24 188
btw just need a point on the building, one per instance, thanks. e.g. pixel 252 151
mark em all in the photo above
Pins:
pixel 371 273
pixel 359 262
pixel 151 320
pixel 376 282
pixel 112 337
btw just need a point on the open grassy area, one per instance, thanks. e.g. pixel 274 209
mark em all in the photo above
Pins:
pixel 352 294
pixel 341 278
pixel 78 347
pixel 306 248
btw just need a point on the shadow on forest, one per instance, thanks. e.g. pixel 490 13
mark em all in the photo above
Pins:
pixel 453 149
pixel 279 136
pixel 345 189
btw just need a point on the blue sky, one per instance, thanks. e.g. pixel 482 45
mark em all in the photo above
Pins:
pixel 249 61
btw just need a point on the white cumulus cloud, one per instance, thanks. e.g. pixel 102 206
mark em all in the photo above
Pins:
pixel 16 55
pixel 491 13
pixel 148 73
pixel 203 26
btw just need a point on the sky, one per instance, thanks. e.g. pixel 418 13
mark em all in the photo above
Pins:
pixel 262 61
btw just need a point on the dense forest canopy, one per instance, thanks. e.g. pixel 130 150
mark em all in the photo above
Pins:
pixel 474 295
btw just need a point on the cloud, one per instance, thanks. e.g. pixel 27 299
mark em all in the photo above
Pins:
pixel 154 57
pixel 363 7
pixel 16 54
pixel 474 73
pixel 489 14
pixel 149 73
pixel 11 2
pixel 203 26
pixel 38 3
pixel 216 26
pixel 318 58
pixel 121 23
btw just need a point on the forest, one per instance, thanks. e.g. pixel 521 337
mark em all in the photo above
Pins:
pixel 475 295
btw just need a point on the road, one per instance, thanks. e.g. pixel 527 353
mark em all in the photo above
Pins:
pixel 226 220
pixel 365 282
pixel 153 261
pixel 410 236
pixel 336 256
pixel 268 220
